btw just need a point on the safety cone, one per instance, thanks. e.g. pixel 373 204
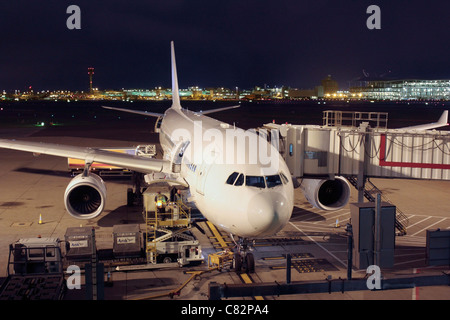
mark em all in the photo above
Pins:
pixel 337 225
pixel 40 219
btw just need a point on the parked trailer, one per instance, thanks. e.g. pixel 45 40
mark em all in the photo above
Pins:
pixel 78 243
pixel 127 247
pixel 37 271
pixel 127 241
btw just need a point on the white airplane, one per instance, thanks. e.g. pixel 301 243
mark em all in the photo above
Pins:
pixel 231 188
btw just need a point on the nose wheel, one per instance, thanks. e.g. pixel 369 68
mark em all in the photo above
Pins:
pixel 243 259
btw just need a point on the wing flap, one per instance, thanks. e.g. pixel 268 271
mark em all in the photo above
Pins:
pixel 142 113
pixel 131 162
pixel 218 109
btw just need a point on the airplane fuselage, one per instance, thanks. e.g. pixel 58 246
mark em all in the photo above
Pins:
pixel 238 180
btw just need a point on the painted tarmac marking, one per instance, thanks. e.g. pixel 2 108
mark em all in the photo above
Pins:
pixel 318 244
pixel 429 226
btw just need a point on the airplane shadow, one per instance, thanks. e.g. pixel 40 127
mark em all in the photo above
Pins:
pixel 47 172
pixel 301 214
pixel 122 215
pixel 12 204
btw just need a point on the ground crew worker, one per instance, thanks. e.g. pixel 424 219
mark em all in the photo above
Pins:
pixel 161 202
pixel 178 197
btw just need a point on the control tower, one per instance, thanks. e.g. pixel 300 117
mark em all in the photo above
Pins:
pixel 90 73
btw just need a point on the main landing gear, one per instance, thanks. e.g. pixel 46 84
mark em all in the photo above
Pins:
pixel 243 260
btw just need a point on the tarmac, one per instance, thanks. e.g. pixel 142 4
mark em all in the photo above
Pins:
pixel 33 186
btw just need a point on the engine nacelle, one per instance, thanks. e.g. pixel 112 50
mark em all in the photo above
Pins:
pixel 326 194
pixel 85 196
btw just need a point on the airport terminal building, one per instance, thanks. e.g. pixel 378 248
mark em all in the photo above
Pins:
pixel 410 89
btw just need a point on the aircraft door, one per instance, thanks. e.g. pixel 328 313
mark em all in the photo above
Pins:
pixel 177 155
pixel 158 124
pixel 201 178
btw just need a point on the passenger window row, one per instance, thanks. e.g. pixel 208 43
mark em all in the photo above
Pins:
pixel 192 167
pixel 238 179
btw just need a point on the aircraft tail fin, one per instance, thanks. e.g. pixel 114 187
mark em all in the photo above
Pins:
pixel 175 91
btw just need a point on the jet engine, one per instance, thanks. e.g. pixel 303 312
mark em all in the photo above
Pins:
pixel 85 196
pixel 326 194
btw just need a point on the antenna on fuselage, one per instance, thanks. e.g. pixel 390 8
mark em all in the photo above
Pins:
pixel 175 92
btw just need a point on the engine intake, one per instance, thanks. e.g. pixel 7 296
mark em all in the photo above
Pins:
pixel 326 194
pixel 85 196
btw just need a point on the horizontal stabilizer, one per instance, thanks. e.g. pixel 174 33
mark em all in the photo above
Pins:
pixel 142 113
pixel 442 122
pixel 217 110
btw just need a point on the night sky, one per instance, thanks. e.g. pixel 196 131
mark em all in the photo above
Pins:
pixel 231 43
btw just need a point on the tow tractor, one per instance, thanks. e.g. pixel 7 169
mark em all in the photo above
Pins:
pixel 221 260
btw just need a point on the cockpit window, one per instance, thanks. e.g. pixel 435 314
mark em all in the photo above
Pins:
pixel 232 178
pixel 255 181
pixel 284 178
pixel 240 180
pixel 273 181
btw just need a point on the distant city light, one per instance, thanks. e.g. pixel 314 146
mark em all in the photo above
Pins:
pixel 328 89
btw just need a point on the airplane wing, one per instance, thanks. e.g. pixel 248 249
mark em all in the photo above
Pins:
pixel 135 163
pixel 442 122
pixel 218 109
pixel 142 113
pixel 154 114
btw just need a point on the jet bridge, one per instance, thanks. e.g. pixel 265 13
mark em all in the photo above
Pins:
pixel 358 146
pixel 336 149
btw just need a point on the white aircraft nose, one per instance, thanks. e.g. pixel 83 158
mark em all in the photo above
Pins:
pixel 268 212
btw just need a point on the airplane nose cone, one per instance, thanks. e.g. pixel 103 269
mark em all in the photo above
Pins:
pixel 268 213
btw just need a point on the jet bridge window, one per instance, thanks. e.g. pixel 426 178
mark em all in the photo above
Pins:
pixel 273 181
pixel 255 181
pixel 232 178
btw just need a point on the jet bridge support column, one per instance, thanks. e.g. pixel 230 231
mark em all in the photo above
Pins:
pixel 362 161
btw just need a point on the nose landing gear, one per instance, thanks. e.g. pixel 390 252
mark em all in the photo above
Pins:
pixel 243 260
